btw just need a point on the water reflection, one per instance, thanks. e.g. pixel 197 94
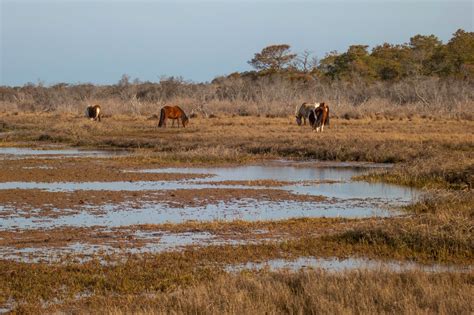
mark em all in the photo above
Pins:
pixel 344 198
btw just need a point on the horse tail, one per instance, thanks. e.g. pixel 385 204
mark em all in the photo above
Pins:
pixel 98 113
pixel 162 117
pixel 327 116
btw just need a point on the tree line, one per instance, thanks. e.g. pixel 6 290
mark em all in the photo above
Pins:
pixel 422 55
pixel 422 71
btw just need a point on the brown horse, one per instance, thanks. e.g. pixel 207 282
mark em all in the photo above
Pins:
pixel 172 112
pixel 93 112
pixel 319 117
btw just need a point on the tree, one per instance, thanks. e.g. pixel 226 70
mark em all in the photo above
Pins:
pixel 274 57
pixel 422 49
pixel 391 62
pixel 124 81
pixel 460 53
pixel 305 62
pixel 327 65
pixel 355 63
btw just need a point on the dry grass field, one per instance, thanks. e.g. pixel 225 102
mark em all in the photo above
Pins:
pixel 433 154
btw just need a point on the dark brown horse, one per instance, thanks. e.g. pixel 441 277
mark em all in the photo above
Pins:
pixel 93 112
pixel 172 112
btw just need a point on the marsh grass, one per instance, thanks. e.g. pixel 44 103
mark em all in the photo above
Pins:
pixel 441 228
pixel 212 292
pixel 32 285
pixel 448 170
pixel 311 292
pixel 241 138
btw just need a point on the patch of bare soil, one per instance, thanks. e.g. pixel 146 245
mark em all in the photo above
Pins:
pixel 79 170
pixel 205 196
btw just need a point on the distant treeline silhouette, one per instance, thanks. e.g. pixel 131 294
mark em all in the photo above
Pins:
pixel 424 72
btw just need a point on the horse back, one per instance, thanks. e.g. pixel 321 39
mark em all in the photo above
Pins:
pixel 304 109
pixel 173 112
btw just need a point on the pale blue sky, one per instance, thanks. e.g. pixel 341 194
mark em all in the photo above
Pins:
pixel 98 41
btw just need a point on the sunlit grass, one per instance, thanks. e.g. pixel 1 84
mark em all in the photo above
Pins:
pixel 430 154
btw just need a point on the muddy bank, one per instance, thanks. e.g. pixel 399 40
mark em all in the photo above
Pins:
pixel 84 243
pixel 79 170
pixel 61 236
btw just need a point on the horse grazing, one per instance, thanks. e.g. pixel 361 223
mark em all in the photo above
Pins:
pixel 319 117
pixel 93 112
pixel 303 111
pixel 172 112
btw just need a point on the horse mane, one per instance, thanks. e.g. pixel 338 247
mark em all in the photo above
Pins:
pixel 162 117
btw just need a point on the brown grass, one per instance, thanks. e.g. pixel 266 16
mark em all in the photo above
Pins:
pixel 240 138
pixel 303 293
pixel 429 153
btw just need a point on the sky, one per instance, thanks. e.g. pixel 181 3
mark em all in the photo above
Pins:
pixel 53 41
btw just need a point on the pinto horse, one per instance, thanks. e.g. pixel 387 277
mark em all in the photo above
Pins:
pixel 319 117
pixel 93 112
pixel 172 112
pixel 302 112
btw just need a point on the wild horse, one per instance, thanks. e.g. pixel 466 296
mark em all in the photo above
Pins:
pixel 172 112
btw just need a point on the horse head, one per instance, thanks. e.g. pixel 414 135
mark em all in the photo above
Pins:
pixel 298 120
pixel 184 120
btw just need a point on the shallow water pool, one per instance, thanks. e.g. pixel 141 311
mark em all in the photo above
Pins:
pixel 343 197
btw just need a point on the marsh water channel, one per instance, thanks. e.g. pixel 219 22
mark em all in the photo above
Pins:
pixel 340 196
pixel 274 190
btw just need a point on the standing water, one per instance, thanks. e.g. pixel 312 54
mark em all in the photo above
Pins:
pixel 342 197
